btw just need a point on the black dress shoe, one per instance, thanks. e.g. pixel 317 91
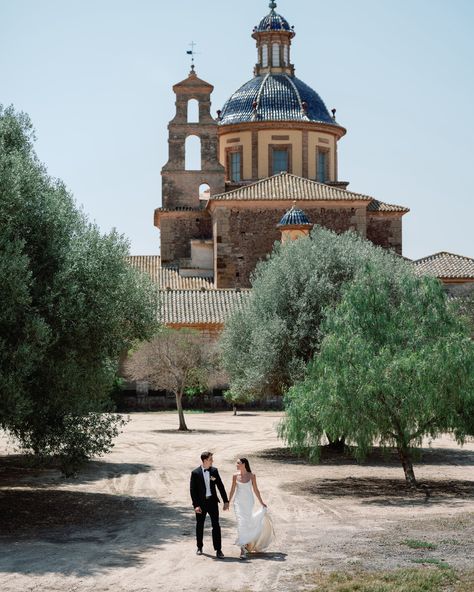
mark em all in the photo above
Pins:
pixel 199 551
pixel 219 554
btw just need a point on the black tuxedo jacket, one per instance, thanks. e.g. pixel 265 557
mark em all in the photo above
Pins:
pixel 197 486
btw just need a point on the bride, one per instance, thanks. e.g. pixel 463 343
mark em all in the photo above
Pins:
pixel 254 529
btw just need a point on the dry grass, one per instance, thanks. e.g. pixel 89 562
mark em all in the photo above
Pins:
pixel 402 580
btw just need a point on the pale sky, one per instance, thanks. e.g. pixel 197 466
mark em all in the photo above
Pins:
pixel 95 76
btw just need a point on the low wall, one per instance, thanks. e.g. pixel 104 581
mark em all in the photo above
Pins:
pixel 132 401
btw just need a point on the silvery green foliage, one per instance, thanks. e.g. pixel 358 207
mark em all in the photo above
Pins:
pixel 267 345
pixel 71 305
pixel 396 364
pixel 463 297
pixel 23 333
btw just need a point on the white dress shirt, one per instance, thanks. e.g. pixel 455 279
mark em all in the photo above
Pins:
pixel 207 481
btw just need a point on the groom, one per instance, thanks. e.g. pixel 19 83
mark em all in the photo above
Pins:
pixel 203 484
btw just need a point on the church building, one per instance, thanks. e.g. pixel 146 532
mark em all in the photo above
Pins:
pixel 274 142
pixel 273 145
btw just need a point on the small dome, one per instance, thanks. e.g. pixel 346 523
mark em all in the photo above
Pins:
pixel 273 21
pixel 275 97
pixel 294 217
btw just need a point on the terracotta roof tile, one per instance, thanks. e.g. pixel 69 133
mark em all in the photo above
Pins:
pixel 379 206
pixel 446 266
pixel 167 276
pixel 285 186
pixel 190 307
pixel 293 188
pixel 179 209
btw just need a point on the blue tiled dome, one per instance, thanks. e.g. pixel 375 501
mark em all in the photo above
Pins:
pixel 275 97
pixel 273 22
pixel 294 217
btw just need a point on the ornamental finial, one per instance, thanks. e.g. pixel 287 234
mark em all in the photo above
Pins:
pixel 273 5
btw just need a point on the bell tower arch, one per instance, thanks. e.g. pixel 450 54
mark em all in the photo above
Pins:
pixel 180 183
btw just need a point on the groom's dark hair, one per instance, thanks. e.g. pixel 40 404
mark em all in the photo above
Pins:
pixel 205 455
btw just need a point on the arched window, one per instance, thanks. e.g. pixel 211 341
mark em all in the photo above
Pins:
pixel 204 191
pixel 264 56
pixel 276 55
pixel 286 55
pixel 193 111
pixel 193 153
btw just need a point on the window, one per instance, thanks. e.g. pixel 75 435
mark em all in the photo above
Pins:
pixel 193 153
pixel 235 167
pixel 280 161
pixel 235 172
pixel 286 55
pixel 193 111
pixel 276 55
pixel 322 165
pixel 280 157
pixel 204 191
pixel 265 56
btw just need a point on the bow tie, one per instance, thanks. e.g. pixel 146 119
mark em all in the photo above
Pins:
pixel 206 470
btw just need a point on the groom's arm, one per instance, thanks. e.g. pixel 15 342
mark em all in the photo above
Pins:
pixel 221 488
pixel 193 489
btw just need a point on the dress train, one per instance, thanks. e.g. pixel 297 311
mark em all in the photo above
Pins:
pixel 254 529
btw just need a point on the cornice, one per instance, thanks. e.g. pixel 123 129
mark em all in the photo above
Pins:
pixel 252 126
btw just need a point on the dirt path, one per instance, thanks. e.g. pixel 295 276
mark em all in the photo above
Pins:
pixel 126 523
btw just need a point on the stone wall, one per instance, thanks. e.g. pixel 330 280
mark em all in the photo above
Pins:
pixel 385 230
pixel 177 230
pixel 243 236
pixel 130 401
pixel 180 187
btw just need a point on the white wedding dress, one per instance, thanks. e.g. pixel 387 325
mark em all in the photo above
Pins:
pixel 254 529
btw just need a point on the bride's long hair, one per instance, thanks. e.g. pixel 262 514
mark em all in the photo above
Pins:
pixel 245 462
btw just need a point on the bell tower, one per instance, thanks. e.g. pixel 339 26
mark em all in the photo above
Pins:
pixel 180 187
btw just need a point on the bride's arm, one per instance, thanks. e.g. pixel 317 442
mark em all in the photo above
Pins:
pixel 257 492
pixel 232 489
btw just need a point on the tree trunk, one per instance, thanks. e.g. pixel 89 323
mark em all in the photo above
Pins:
pixel 179 405
pixel 407 465
pixel 235 409
pixel 336 444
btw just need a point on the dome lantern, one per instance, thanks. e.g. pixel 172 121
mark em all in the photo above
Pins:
pixel 275 122
pixel 273 36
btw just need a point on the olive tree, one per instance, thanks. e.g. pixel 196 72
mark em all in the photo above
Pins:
pixel 267 345
pixel 70 306
pixel 175 360
pixel 396 364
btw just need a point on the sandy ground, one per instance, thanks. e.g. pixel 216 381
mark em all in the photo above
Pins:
pixel 126 523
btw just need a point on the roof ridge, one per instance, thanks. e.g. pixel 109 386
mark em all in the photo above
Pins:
pixel 211 290
pixel 443 253
pixel 297 94
pixel 260 90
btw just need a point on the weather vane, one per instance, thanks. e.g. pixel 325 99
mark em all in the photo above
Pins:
pixel 192 53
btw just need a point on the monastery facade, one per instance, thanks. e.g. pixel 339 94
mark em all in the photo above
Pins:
pixel 274 144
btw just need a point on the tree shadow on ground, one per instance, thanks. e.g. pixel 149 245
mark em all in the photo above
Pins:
pixel 25 470
pixel 376 457
pixel 385 492
pixel 192 432
pixel 80 533
pixel 274 556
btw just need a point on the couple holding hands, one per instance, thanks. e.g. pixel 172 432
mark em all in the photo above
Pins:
pixel 254 529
